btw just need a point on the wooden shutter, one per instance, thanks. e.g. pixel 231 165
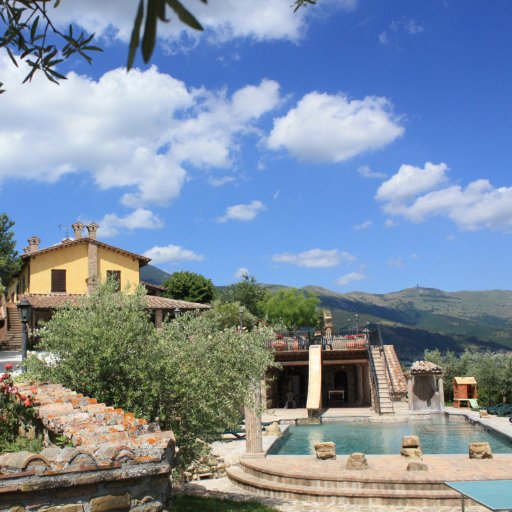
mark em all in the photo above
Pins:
pixel 58 280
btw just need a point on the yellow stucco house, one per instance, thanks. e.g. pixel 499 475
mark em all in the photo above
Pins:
pixel 53 275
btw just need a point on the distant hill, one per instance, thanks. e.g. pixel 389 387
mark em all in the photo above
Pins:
pixel 417 318
pixel 153 275
pixel 414 319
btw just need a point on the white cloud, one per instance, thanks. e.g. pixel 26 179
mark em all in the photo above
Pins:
pixel 390 223
pixel 384 38
pixel 314 258
pixel 133 131
pixel 220 181
pixel 241 272
pixel 333 128
pixel 112 224
pixel 410 181
pixel 364 225
pixel 396 262
pixel 171 254
pixel 416 194
pixel 366 172
pixel 412 27
pixel 398 29
pixel 350 278
pixel 223 20
pixel 242 212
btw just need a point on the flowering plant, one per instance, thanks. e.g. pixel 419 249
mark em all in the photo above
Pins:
pixel 16 409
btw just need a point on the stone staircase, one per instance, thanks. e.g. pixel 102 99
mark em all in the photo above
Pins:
pixel 398 380
pixel 262 478
pixel 385 405
pixel 13 340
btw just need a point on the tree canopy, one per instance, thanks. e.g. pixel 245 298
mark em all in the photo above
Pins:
pixel 9 261
pixel 191 375
pixel 31 35
pixel 292 307
pixel 247 292
pixel 492 371
pixel 189 286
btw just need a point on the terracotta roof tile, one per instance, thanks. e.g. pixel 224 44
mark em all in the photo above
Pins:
pixel 86 240
pixel 155 302
pixel 41 301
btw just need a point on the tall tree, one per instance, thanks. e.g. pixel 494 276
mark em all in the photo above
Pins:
pixel 189 286
pixel 248 292
pixel 292 307
pixel 9 261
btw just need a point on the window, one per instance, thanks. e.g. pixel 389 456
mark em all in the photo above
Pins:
pixel 115 275
pixel 58 281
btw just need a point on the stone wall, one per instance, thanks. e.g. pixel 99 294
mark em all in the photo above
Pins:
pixel 117 462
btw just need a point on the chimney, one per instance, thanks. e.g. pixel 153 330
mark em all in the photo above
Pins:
pixel 77 228
pixel 92 228
pixel 33 244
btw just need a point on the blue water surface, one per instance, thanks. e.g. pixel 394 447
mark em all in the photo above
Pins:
pixel 438 434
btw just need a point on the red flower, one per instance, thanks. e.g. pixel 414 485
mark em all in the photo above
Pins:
pixel 27 402
pixel 8 366
pixel 33 389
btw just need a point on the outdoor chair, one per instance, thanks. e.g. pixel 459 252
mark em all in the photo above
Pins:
pixel 290 400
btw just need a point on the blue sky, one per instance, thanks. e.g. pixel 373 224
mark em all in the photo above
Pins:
pixel 355 145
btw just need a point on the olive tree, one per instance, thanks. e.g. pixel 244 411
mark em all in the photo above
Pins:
pixel 30 34
pixel 191 375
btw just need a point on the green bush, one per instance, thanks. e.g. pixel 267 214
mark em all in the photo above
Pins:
pixel 16 411
pixel 191 375
pixel 492 371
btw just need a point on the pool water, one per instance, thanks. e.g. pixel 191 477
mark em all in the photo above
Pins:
pixel 438 434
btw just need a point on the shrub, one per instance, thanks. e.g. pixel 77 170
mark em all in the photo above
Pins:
pixel 191 375
pixel 16 411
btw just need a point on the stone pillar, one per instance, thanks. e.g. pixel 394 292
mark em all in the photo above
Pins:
pixel 410 383
pixel 92 264
pixel 360 395
pixel 253 435
pixel 159 318
pixel 440 388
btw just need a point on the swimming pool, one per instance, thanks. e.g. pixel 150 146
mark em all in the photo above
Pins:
pixel 438 434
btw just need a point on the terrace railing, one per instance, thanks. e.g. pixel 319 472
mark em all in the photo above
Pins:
pixel 301 341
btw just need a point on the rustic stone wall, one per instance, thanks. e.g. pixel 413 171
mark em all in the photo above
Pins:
pixel 117 462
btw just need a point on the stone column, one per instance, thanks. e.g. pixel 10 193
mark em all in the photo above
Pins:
pixel 92 264
pixel 409 392
pixel 159 318
pixel 360 395
pixel 253 435
pixel 440 388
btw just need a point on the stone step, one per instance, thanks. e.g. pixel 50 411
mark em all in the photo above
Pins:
pixel 356 496
pixel 355 481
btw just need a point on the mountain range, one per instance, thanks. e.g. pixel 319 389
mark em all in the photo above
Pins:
pixel 417 318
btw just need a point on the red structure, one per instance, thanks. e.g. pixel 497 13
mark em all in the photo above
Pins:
pixel 464 390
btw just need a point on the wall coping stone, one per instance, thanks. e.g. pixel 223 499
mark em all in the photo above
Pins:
pixel 103 438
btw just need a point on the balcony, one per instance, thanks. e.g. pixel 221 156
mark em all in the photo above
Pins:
pixel 300 342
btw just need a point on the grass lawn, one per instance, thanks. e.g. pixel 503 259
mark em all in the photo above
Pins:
pixel 184 503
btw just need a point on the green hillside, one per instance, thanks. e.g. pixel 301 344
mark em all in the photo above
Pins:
pixel 153 275
pixel 419 318
pixel 414 319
